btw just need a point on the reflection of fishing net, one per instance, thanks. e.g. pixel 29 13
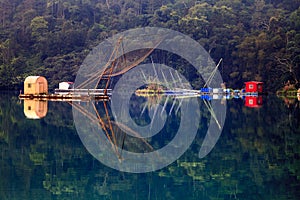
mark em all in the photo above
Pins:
pixel 113 130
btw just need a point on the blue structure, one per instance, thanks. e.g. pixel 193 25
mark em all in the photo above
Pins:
pixel 206 90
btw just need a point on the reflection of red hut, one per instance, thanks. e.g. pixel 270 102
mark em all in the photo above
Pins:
pixel 254 87
pixel 253 101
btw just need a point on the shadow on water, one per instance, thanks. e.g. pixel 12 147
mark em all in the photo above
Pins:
pixel 256 157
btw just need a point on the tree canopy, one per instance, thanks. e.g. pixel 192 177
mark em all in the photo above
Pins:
pixel 257 39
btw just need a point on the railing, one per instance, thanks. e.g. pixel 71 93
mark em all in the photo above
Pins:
pixel 83 92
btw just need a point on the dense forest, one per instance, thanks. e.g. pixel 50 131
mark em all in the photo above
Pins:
pixel 257 39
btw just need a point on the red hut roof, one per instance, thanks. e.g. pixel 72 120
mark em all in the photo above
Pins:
pixel 254 86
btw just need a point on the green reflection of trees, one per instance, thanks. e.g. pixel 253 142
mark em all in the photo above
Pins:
pixel 256 157
pixel 65 183
pixel 42 158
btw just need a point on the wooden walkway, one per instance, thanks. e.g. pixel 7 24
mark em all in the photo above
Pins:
pixel 83 92
pixel 63 97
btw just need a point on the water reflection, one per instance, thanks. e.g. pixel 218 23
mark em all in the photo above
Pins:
pixel 142 148
pixel 161 136
pixel 35 109
pixel 112 130
pixel 253 101
pixel 257 157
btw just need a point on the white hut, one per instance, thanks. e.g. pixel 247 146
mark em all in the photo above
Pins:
pixel 35 85
pixel 65 85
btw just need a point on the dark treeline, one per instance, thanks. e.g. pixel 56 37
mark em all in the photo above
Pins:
pixel 258 39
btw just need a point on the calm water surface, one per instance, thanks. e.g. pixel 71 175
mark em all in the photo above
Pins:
pixel 256 157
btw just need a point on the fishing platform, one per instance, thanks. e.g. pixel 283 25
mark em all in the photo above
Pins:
pixel 252 88
pixel 36 87
pixel 64 97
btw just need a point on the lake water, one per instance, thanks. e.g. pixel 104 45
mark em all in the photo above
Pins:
pixel 257 156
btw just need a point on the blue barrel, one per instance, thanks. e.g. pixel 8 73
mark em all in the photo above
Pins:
pixel 206 97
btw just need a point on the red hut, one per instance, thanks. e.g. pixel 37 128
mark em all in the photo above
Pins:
pixel 253 101
pixel 254 87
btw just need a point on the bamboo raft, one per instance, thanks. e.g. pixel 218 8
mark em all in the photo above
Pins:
pixel 63 97
pixel 71 95
pixel 288 93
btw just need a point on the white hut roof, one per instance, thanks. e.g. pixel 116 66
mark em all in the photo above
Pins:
pixel 31 79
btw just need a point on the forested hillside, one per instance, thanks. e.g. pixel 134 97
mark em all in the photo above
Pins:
pixel 258 39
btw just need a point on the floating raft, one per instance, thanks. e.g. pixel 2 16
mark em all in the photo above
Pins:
pixel 289 93
pixel 213 93
pixel 71 95
pixel 63 97
pixel 84 92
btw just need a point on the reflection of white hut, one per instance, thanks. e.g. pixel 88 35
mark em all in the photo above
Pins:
pixel 35 109
pixel 65 85
pixel 35 85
